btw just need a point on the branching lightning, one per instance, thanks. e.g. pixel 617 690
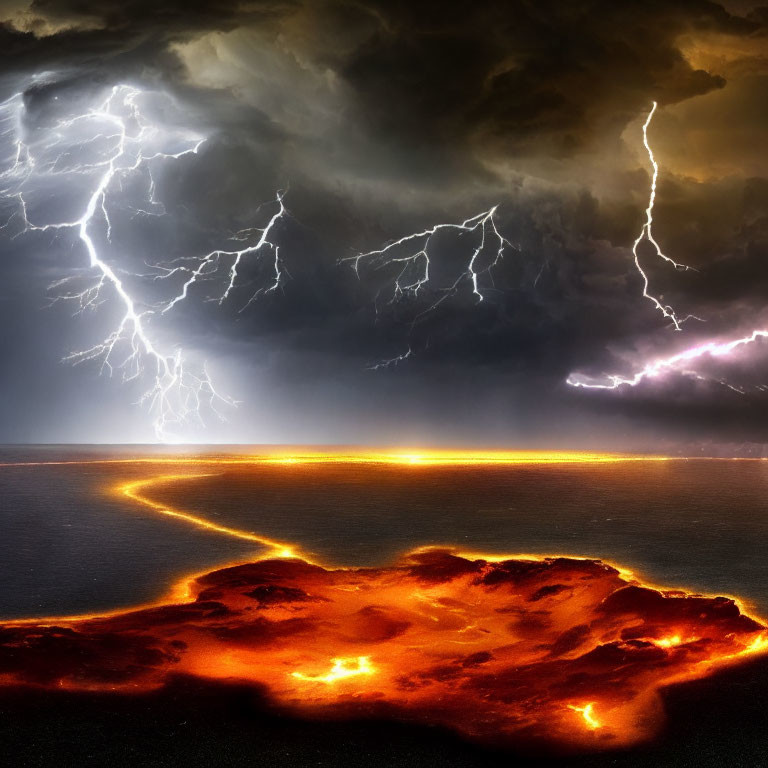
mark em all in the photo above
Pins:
pixel 105 147
pixel 121 141
pixel 679 362
pixel 196 268
pixel 114 143
pixel 411 257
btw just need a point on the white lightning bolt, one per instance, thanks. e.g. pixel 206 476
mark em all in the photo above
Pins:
pixel 677 362
pixel 207 266
pixel 646 233
pixel 410 255
pixel 392 361
pixel 175 394
pixel 411 259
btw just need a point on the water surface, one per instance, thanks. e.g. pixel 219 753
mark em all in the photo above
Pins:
pixel 70 544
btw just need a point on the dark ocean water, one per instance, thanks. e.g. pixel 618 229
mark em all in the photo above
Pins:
pixel 69 544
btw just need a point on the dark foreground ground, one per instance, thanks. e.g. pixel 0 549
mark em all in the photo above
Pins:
pixel 719 721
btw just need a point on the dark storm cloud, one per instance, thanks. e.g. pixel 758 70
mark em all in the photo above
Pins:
pixel 548 78
pixel 385 117
pixel 532 76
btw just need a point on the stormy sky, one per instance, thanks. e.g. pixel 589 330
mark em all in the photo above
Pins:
pixel 378 120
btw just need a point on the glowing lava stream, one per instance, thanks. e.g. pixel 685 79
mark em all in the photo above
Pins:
pixel 132 491
pixel 179 592
pixel 345 667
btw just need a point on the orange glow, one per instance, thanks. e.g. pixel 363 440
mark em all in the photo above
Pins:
pixel 388 456
pixel 341 670
pixel 495 649
pixel 587 713
pixel 758 645
pixel 669 642
pixel 133 491
pixel 502 648
pixel 429 457
pixel 448 457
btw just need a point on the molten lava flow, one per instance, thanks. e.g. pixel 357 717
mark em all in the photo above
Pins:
pixel 552 650
pixel 524 649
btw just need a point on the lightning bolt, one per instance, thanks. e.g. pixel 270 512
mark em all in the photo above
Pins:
pixel 121 143
pixel 678 362
pixel 207 266
pixel 646 233
pixel 392 361
pixel 410 259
